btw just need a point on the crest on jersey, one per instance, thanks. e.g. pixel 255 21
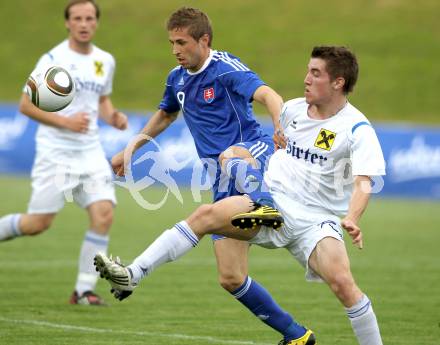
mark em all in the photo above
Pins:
pixel 325 139
pixel 208 95
pixel 99 68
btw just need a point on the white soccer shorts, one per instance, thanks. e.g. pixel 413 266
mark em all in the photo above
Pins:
pixel 302 230
pixel 69 175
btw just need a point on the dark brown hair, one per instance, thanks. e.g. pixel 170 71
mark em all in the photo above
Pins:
pixel 341 62
pixel 196 21
pixel 75 2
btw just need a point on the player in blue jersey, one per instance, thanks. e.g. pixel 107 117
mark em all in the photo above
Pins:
pixel 321 182
pixel 214 91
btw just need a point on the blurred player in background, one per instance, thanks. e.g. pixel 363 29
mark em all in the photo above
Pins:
pixel 214 90
pixel 70 162
pixel 311 187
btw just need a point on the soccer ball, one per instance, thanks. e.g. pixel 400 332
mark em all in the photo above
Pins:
pixel 51 88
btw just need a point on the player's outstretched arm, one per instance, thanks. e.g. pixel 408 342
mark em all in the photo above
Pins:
pixel 357 206
pixel 79 122
pixel 273 102
pixel 156 125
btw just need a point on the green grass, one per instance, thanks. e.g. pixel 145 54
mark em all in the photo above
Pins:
pixel 181 303
pixel 397 42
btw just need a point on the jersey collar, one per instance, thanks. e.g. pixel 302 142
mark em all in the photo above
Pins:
pixel 208 60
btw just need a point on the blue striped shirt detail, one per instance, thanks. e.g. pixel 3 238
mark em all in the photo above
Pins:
pixel 357 125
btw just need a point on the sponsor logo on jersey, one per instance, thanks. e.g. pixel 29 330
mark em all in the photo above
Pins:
pixel 209 95
pixel 99 68
pixel 325 139
pixel 293 124
pixel 181 82
pixel 306 154
pixel 88 85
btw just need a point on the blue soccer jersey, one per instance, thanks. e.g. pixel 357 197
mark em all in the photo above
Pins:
pixel 215 102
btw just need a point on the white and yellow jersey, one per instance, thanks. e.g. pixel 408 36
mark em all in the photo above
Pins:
pixel 93 76
pixel 322 156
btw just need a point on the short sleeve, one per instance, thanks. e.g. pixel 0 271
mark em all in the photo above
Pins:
pixel 169 101
pixel 108 86
pixel 244 83
pixel 366 153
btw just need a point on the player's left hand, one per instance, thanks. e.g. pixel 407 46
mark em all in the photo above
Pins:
pixel 279 139
pixel 119 120
pixel 354 231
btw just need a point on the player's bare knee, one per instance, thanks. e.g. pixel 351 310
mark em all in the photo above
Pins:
pixel 102 220
pixel 225 155
pixel 205 214
pixel 235 152
pixel 230 281
pixel 342 286
pixel 107 221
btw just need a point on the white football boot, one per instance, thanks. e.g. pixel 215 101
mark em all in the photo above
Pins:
pixel 119 276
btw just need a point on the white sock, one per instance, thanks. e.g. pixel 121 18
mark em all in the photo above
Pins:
pixel 169 246
pixel 9 227
pixel 364 323
pixel 87 275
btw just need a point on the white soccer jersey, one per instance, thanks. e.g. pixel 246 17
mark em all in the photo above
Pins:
pixel 322 156
pixel 93 76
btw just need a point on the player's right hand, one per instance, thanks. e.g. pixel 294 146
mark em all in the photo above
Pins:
pixel 78 122
pixel 117 163
pixel 354 231
pixel 279 139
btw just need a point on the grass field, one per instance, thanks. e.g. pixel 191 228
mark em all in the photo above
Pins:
pixel 397 42
pixel 181 303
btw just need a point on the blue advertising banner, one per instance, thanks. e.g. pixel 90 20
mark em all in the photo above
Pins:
pixel 412 154
pixel 413 161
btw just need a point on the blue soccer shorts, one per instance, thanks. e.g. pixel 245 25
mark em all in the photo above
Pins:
pixel 223 187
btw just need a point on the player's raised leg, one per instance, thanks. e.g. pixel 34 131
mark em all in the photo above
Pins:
pixel 182 237
pixel 175 242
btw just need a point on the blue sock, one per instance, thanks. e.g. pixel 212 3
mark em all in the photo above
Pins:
pixel 246 178
pixel 258 300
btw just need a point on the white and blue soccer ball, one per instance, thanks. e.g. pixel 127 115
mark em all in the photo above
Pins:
pixel 51 88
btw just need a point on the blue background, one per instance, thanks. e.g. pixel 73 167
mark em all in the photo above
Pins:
pixel 412 153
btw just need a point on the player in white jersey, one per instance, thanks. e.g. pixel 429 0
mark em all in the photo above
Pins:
pixel 324 173
pixel 70 163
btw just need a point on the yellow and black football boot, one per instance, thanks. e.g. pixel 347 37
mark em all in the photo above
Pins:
pixel 306 339
pixel 261 215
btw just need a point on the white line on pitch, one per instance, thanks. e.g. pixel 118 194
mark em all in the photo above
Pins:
pixel 136 333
